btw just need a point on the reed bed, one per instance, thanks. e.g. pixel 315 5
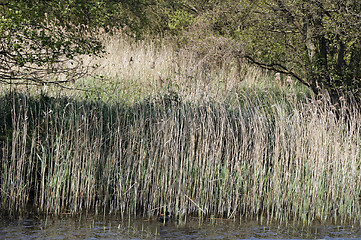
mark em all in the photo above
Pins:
pixel 266 157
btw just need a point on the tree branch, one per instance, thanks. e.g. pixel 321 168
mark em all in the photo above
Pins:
pixel 277 68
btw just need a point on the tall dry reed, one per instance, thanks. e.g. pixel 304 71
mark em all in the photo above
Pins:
pixel 268 158
pixel 133 70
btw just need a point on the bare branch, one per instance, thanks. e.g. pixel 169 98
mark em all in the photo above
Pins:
pixel 277 67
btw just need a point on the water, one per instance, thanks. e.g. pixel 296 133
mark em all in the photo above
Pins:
pixel 91 227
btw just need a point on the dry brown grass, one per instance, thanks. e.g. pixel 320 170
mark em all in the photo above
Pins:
pixel 133 70
pixel 148 67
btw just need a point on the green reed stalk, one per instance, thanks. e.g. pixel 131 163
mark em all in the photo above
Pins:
pixel 266 158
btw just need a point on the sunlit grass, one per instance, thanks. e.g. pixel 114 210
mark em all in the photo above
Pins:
pixel 134 70
pixel 229 141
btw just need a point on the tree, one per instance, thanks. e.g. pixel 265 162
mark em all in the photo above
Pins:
pixel 41 40
pixel 36 46
pixel 317 42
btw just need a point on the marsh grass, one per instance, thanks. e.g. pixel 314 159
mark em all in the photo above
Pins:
pixel 174 130
pixel 270 158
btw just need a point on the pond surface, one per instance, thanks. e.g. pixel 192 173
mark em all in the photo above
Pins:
pixel 91 227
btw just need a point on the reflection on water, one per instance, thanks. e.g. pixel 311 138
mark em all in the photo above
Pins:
pixel 91 227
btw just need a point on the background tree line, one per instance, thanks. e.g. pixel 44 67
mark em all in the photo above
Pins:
pixel 317 42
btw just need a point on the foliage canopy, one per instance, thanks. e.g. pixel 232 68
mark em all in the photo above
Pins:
pixel 36 42
pixel 318 42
